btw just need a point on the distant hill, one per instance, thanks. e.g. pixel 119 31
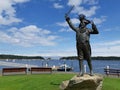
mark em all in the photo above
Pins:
pixel 2 56
pixel 93 58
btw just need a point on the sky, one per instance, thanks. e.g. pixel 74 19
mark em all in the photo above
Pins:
pixel 38 27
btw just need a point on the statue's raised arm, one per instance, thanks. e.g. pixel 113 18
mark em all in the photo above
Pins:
pixel 67 18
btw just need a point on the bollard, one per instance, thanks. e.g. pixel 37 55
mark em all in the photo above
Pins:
pixel 85 68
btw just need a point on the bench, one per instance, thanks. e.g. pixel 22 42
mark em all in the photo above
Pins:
pixel 112 72
pixel 9 71
pixel 40 70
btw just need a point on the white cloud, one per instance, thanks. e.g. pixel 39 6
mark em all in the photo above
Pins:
pixel 65 24
pixel 99 20
pixel 116 42
pixel 106 48
pixel 88 12
pixel 28 36
pixel 91 2
pixel 65 30
pixel 69 52
pixel 76 21
pixel 74 2
pixel 57 6
pixel 8 12
pixel 79 9
pixel 110 49
pixel 20 1
pixel 79 2
pixel 106 51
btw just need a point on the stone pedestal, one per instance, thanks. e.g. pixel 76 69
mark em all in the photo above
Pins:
pixel 85 82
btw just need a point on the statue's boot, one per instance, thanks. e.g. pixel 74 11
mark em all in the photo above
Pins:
pixel 91 73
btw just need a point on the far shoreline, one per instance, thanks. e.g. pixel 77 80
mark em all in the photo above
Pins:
pixel 93 58
pixel 7 56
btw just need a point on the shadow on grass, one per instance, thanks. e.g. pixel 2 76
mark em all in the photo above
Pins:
pixel 54 83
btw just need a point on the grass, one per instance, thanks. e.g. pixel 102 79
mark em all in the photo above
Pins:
pixel 33 82
pixel 46 82
pixel 111 83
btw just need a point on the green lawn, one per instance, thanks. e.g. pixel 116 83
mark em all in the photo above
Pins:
pixel 46 82
pixel 33 82
pixel 111 84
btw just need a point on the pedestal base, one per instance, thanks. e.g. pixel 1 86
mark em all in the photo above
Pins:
pixel 85 82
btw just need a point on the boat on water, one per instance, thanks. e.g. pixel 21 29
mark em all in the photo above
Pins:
pixel 64 67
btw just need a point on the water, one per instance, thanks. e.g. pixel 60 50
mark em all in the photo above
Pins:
pixel 98 65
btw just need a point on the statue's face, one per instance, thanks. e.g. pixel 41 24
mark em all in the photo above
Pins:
pixel 81 18
pixel 82 25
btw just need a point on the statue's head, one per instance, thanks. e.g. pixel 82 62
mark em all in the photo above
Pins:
pixel 81 16
pixel 83 20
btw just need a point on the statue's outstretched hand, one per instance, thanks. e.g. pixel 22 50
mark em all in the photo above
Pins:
pixel 67 17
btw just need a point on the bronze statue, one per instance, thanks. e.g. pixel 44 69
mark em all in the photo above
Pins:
pixel 82 41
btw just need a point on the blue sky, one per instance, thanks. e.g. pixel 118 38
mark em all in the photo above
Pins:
pixel 38 27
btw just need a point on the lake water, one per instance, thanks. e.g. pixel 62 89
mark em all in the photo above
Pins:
pixel 98 65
